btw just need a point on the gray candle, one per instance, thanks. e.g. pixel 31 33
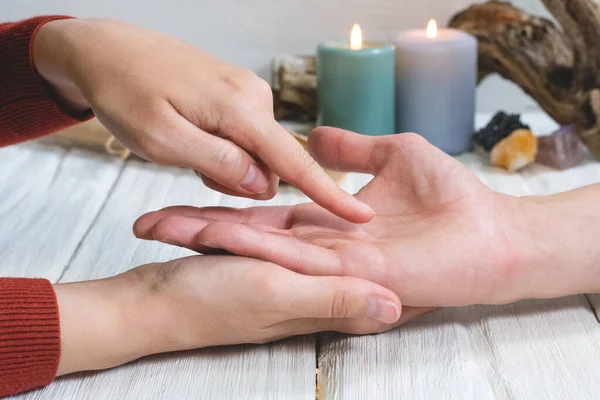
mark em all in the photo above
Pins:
pixel 436 75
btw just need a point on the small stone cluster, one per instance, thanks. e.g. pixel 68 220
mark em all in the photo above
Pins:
pixel 500 127
pixel 561 150
pixel 511 144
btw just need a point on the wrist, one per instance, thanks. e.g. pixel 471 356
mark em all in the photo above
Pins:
pixel 557 254
pixel 97 328
pixel 52 52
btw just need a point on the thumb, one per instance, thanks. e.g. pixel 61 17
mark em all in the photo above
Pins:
pixel 342 150
pixel 341 298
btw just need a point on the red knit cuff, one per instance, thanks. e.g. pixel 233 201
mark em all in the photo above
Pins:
pixel 29 334
pixel 28 106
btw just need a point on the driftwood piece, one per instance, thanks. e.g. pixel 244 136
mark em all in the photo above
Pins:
pixel 558 67
pixel 295 88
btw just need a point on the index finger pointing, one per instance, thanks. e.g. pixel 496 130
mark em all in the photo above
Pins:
pixel 285 156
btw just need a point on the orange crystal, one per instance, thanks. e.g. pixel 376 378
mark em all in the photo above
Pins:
pixel 515 151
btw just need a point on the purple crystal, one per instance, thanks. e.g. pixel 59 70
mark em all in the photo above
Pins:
pixel 561 150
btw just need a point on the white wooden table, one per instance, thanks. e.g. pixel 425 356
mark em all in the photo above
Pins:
pixel 66 215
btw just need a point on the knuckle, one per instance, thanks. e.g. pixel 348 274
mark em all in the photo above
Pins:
pixel 232 81
pixel 247 91
pixel 226 160
pixel 153 147
pixel 408 140
pixel 247 78
pixel 308 170
pixel 396 148
pixel 340 307
pixel 239 79
pixel 238 110
pixel 262 88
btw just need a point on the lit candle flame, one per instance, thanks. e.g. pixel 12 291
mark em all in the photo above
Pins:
pixel 356 40
pixel 432 29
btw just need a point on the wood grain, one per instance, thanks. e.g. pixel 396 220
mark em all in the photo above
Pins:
pixel 530 350
pixel 281 370
pixel 49 199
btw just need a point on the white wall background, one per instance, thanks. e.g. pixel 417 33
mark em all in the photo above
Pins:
pixel 250 32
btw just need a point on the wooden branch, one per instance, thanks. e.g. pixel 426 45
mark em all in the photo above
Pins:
pixel 580 20
pixel 295 88
pixel 527 50
pixel 558 69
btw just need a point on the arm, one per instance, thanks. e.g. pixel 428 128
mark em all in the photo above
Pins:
pixel 179 305
pixel 29 106
pixel 559 253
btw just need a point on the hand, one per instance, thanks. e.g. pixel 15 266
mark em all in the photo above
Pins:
pixel 174 104
pixel 440 236
pixel 210 301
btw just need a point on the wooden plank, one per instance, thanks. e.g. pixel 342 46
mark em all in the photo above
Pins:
pixel 529 350
pixel 533 349
pixel 281 370
pixel 49 198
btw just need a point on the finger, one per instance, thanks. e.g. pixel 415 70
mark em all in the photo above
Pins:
pixel 410 313
pixel 142 227
pixel 177 230
pixel 285 156
pixel 267 244
pixel 338 298
pixel 269 194
pixel 353 326
pixel 219 159
pixel 276 216
pixel 368 327
pixel 342 150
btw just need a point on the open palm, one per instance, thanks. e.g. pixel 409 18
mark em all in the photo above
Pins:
pixel 439 238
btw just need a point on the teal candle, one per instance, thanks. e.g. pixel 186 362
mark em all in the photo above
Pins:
pixel 356 87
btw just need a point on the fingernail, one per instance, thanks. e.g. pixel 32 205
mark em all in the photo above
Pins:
pixel 383 310
pixel 255 180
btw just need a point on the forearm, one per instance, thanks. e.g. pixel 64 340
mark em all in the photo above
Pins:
pixel 48 331
pixel 100 325
pixel 560 248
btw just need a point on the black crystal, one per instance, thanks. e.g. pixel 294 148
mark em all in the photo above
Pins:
pixel 501 126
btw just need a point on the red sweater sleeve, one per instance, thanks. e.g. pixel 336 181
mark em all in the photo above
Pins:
pixel 28 107
pixel 29 334
pixel 29 322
